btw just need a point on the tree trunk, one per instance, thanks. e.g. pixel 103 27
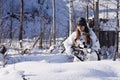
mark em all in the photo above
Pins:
pixel 21 23
pixel 96 15
pixel 39 38
pixel 87 10
pixel 54 21
pixel 117 32
pixel 11 21
pixel 41 31
pixel 71 20
pixel 94 7
pixel 50 37
pixel 96 18
pixel 0 19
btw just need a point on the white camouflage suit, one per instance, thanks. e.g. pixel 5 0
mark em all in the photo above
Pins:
pixel 70 40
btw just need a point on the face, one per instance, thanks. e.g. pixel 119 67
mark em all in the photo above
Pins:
pixel 81 28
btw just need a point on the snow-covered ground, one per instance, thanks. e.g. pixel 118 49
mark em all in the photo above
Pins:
pixel 45 66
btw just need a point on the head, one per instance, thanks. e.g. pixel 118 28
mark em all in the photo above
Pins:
pixel 82 27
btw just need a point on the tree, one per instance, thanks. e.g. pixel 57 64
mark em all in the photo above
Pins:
pixel 54 22
pixel 21 23
pixel 87 9
pixel 11 20
pixel 96 14
pixel 117 32
pixel 41 33
pixel 0 19
pixel 71 20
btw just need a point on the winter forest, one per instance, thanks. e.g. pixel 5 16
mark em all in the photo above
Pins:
pixel 33 35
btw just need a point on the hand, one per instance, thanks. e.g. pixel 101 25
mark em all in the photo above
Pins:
pixel 81 46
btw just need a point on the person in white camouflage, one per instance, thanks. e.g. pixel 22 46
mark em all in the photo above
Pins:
pixel 84 36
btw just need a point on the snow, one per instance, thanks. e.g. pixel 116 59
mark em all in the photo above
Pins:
pixel 55 67
pixel 41 65
pixel 45 66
